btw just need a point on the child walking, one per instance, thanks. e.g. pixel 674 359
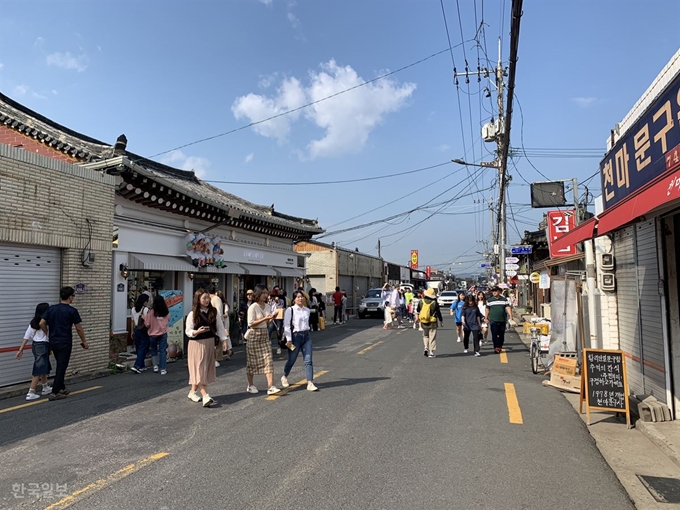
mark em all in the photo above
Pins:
pixel 388 315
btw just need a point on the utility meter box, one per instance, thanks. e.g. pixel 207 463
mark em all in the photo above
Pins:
pixel 607 262
pixel 608 282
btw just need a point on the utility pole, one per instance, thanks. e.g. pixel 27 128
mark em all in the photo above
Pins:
pixel 500 142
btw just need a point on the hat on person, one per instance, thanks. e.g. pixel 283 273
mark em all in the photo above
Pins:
pixel 430 292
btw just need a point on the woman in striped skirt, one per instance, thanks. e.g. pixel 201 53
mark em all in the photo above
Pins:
pixel 259 346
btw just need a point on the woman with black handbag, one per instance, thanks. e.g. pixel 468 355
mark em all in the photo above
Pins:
pixel 204 328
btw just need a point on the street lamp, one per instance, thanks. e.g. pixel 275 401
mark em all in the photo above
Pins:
pixel 483 164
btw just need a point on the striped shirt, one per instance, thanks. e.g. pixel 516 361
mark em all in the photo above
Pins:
pixel 496 307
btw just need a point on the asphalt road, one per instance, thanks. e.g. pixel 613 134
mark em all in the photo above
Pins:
pixel 389 429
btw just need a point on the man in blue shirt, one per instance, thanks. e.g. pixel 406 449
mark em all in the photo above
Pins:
pixel 60 320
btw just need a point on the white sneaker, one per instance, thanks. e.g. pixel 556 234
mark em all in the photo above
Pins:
pixel 217 364
pixel 278 351
pixel 194 396
pixel 401 326
pixel 478 354
pixel 311 386
pixel 432 355
pixel 251 389
pixel 284 381
pixel 207 401
pixel 164 372
pixel 46 389
pixel 464 351
pixel 458 340
pixel 32 395
pixel 155 368
pixel 272 390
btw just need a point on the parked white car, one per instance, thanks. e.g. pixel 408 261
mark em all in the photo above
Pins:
pixel 446 298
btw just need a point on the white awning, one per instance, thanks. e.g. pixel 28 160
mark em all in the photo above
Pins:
pixel 289 272
pixel 258 270
pixel 231 268
pixel 146 262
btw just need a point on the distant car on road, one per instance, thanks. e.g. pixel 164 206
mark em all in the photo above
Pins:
pixel 447 297
pixel 372 304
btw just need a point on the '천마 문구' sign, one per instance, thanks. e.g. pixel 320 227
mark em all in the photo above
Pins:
pixel 641 154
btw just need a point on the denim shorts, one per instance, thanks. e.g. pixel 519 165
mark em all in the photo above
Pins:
pixel 41 356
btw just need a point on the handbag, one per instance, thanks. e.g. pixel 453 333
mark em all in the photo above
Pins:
pixel 141 326
pixel 248 334
pixel 322 323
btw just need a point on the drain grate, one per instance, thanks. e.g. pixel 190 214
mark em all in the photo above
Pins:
pixel 664 490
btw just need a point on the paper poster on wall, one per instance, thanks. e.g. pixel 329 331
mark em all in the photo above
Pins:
pixel 175 302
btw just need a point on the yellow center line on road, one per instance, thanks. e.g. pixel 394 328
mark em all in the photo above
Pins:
pixel 514 411
pixel 504 357
pixel 363 351
pixel 293 386
pixel 104 482
pixel 36 402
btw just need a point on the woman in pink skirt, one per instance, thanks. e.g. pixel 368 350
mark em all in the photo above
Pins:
pixel 203 326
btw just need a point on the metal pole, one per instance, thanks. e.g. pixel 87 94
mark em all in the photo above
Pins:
pixel 501 141
pixel 574 190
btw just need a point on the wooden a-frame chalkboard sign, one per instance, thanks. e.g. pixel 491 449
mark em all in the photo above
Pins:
pixel 604 384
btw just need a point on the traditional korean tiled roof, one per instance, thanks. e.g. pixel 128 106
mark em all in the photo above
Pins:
pixel 92 152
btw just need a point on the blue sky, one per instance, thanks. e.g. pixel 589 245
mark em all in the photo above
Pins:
pixel 170 73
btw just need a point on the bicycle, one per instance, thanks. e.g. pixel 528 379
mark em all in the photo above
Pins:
pixel 536 351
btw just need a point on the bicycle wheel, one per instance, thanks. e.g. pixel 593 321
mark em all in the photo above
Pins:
pixel 534 358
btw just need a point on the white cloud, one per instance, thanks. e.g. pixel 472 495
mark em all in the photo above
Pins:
pixel 2 65
pixel 38 95
pixel 39 42
pixel 266 2
pixel 444 147
pixel 249 158
pixel 178 159
pixel 584 102
pixel 68 61
pixel 254 107
pixel 347 119
pixel 293 19
pixel 266 80
pixel 20 90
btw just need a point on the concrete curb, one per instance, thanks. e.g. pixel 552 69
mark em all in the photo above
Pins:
pixel 660 440
pixel 21 389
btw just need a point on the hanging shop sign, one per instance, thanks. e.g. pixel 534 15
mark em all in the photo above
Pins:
pixel 414 259
pixel 205 251
pixel 559 224
pixel 645 151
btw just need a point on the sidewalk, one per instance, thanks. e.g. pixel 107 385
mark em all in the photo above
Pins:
pixel 649 449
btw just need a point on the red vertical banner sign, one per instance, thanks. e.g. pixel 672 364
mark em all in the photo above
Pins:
pixel 414 259
pixel 559 224
pixel 428 272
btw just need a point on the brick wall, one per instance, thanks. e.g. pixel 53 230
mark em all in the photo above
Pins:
pixel 10 137
pixel 46 202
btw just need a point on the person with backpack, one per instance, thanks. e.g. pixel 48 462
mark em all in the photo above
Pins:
pixel 472 324
pixel 428 313
pixel 140 332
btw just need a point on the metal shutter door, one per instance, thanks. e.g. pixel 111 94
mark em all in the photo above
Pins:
pixel 627 301
pixel 651 330
pixel 29 275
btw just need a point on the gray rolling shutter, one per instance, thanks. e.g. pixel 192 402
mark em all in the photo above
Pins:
pixel 29 275
pixel 345 283
pixel 651 330
pixel 627 302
